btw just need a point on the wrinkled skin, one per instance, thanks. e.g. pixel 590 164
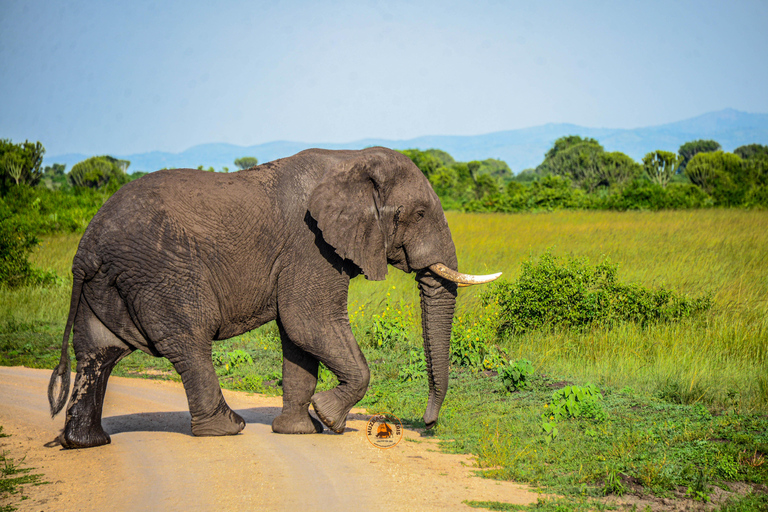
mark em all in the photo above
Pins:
pixel 179 258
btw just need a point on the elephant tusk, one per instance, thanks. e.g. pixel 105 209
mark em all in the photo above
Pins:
pixel 459 278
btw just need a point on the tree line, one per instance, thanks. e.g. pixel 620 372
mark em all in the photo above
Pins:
pixel 578 173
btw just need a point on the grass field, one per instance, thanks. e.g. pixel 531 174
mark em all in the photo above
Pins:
pixel 683 404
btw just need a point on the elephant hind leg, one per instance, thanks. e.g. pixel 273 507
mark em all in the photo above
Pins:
pixel 97 350
pixel 211 416
pixel 299 382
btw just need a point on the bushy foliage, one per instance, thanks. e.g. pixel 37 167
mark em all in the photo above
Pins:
pixel 690 149
pixel 98 171
pixel 576 402
pixel 246 162
pixel 55 211
pixel 644 195
pixel 752 151
pixel 17 240
pixel 587 165
pixel 472 341
pixel 553 293
pixel 661 166
pixel 459 182
pixel 516 374
pixel 20 164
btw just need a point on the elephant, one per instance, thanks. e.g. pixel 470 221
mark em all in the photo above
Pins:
pixel 179 258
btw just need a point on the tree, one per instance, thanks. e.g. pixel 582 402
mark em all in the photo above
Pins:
pixel 616 168
pixel 721 175
pixel 660 166
pixel 694 147
pixel 20 163
pixel 55 176
pixel 429 162
pixel 445 158
pixel 586 164
pixel 752 151
pixel 99 171
pixel 246 162
pixel 496 168
pixel 564 143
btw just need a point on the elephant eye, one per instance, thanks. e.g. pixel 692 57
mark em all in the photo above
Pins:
pixel 419 215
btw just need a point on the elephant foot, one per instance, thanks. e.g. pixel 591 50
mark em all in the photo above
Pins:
pixel 227 423
pixel 72 437
pixel 330 410
pixel 298 422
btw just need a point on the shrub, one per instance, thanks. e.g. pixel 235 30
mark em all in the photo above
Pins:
pixel 577 402
pixel 574 294
pixel 416 369
pixel 98 171
pixel 471 343
pixel 515 375
pixel 17 240
pixel 644 195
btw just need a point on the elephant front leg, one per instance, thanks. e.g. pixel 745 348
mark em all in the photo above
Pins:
pixel 211 416
pixel 299 382
pixel 343 357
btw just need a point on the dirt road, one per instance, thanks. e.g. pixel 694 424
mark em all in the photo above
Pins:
pixel 154 462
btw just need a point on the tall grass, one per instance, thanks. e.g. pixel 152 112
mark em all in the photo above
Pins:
pixel 718 358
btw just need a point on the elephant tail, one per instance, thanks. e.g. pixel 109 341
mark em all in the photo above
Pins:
pixel 61 372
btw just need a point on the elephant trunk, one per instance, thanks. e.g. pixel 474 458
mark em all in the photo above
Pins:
pixel 438 300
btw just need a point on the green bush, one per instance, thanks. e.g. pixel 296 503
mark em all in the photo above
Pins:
pixel 17 240
pixel 644 195
pixel 416 369
pixel 98 171
pixel 577 402
pixel 515 375
pixel 472 343
pixel 574 294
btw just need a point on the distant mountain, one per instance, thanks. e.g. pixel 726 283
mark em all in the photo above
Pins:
pixel 521 148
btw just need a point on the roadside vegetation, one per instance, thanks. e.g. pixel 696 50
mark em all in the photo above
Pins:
pixel 13 477
pixel 621 357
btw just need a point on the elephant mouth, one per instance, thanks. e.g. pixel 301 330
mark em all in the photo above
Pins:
pixel 459 278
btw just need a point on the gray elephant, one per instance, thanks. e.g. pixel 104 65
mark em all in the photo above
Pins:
pixel 182 257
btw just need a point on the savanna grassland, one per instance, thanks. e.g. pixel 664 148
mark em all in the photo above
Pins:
pixel 670 406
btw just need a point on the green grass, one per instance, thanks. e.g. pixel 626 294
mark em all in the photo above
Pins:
pixel 685 402
pixel 13 478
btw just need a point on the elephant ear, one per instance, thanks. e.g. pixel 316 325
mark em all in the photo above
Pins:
pixel 347 207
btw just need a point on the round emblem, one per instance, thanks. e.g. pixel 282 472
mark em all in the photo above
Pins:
pixel 384 430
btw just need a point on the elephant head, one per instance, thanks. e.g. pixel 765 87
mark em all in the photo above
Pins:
pixel 375 207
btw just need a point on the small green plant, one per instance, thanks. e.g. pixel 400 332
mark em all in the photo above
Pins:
pixel 613 483
pixel 471 342
pixel 515 375
pixel 577 402
pixel 232 360
pixel 699 490
pixel 549 426
pixel 727 467
pixel 416 369
pixel 267 384
pixel 390 327
pixel 12 477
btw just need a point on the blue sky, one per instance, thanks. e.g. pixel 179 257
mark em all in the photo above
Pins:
pixel 127 77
